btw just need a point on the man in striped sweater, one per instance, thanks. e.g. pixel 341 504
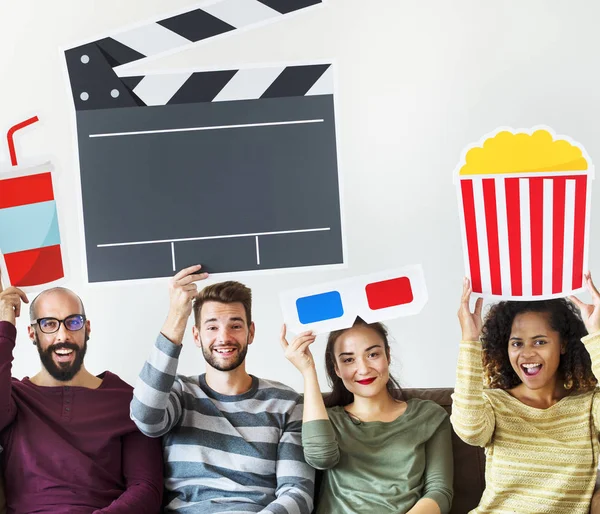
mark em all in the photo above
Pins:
pixel 232 442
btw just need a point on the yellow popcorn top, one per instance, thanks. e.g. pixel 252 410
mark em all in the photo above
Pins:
pixel 521 152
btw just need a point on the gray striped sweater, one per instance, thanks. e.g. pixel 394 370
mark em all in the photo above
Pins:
pixel 233 454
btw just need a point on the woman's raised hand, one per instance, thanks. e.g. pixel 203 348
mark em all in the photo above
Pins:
pixel 298 352
pixel 590 313
pixel 470 322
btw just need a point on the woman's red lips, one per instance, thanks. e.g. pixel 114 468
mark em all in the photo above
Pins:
pixel 366 381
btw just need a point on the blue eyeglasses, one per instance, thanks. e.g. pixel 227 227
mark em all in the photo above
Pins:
pixel 72 323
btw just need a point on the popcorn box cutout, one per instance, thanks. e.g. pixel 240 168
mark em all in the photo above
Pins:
pixel 524 203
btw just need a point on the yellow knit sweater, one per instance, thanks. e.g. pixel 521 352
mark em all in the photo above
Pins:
pixel 537 460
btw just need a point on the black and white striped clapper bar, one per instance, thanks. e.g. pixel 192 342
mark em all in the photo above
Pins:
pixel 233 169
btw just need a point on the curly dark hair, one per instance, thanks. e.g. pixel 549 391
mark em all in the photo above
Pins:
pixel 340 396
pixel 575 366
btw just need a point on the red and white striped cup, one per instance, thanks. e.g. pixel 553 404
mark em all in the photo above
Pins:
pixel 30 245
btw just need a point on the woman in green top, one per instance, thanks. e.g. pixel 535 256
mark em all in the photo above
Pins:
pixel 381 454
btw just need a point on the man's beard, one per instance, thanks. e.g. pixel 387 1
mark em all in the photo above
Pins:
pixel 62 371
pixel 211 359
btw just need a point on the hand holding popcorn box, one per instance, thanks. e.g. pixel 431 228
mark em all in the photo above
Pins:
pixel 524 201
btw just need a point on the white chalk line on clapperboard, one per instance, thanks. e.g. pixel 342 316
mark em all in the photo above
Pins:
pixel 156 40
pixel 206 238
pixel 208 127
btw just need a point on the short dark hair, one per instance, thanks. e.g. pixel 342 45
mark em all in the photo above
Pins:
pixel 33 315
pixel 575 366
pixel 340 396
pixel 224 292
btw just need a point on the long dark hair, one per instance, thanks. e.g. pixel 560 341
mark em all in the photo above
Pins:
pixel 340 396
pixel 575 366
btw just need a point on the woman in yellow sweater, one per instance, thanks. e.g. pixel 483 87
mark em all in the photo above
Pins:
pixel 540 417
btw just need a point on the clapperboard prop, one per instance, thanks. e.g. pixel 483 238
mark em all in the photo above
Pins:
pixel 233 169
pixel 524 204
pixel 336 305
pixel 30 246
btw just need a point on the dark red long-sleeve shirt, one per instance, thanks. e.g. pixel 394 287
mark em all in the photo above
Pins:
pixel 72 449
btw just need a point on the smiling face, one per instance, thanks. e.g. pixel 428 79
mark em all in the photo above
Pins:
pixel 534 350
pixel 63 351
pixel 224 334
pixel 361 361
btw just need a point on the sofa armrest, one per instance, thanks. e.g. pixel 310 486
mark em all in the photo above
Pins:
pixel 595 508
pixel 595 505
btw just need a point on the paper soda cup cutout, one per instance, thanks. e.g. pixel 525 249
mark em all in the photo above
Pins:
pixel 335 305
pixel 29 235
pixel 524 201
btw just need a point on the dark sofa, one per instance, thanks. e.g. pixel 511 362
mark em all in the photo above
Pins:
pixel 469 461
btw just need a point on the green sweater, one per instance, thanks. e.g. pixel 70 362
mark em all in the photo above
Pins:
pixel 378 467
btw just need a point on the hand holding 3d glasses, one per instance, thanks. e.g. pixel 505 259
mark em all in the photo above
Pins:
pixel 298 352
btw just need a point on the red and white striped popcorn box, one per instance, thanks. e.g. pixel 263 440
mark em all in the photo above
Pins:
pixel 524 203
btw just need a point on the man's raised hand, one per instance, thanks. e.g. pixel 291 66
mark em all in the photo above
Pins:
pixel 10 302
pixel 182 290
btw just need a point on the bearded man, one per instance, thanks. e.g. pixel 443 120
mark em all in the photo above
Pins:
pixel 232 441
pixel 69 445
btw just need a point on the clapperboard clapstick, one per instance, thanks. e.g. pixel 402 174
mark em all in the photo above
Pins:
pixel 236 169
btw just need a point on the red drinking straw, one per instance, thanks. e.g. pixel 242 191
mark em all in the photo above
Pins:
pixel 10 137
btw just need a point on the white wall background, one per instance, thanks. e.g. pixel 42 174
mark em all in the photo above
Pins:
pixel 417 81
